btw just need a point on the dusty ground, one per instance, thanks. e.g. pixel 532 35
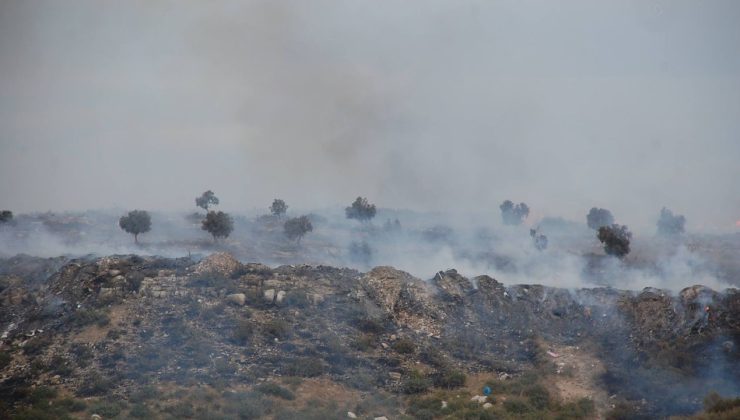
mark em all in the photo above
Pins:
pixel 577 376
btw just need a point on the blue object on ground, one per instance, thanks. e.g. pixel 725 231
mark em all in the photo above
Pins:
pixel 486 390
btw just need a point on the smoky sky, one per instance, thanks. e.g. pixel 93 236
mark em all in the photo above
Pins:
pixel 447 106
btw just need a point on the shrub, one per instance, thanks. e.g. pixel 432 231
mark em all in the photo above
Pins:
pixel 107 409
pixel 274 389
pixel 538 396
pixel 361 210
pixel 276 328
pixel 517 406
pixel 369 325
pixel 242 332
pixel 365 342
pixel 140 411
pixel 94 384
pixel 415 383
pixel 306 367
pixel 5 359
pixel 404 346
pixel 449 379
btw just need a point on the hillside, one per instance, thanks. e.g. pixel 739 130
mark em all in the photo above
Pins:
pixel 147 337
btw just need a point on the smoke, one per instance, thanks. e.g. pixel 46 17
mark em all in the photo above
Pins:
pixel 433 106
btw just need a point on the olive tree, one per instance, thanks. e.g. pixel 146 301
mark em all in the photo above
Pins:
pixel 360 210
pixel 135 223
pixel 297 227
pixel 206 200
pixel 616 239
pixel 513 214
pixel 670 224
pixel 218 224
pixel 6 216
pixel 597 218
pixel 278 208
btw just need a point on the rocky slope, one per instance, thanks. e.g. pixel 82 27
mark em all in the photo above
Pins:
pixel 106 331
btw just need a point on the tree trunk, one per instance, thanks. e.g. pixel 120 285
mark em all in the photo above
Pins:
pixel 136 238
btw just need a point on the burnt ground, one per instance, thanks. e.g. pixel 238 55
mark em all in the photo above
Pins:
pixel 148 337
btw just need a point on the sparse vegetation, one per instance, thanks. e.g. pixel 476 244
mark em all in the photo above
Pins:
pixel 136 222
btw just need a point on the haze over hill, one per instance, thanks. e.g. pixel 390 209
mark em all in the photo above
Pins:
pixel 433 106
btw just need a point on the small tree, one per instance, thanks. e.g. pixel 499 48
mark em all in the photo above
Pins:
pixel 597 218
pixel 136 222
pixel 278 208
pixel 616 239
pixel 539 239
pixel 513 214
pixel 360 210
pixel 297 227
pixel 6 216
pixel 670 224
pixel 206 200
pixel 218 224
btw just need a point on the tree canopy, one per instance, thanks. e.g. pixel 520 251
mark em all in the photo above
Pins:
pixel 513 214
pixel 297 227
pixel 135 223
pixel 278 208
pixel 670 224
pixel 6 216
pixel 616 239
pixel 360 210
pixel 218 224
pixel 597 218
pixel 206 200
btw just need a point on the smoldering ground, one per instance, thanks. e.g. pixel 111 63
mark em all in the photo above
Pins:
pixel 420 243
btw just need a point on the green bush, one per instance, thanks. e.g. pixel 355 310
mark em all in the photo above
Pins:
pixel 415 383
pixel 449 379
pixel 140 411
pixel 274 389
pixel 538 396
pixel 517 406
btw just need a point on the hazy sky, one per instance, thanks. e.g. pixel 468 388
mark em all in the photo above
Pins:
pixel 430 105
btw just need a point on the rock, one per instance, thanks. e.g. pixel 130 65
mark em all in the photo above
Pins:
pixel 280 296
pixel 237 299
pixel 269 295
pixel 114 273
pixel 487 405
pixel 444 404
pixel 381 418
pixel 395 376
pixel 479 399
pixel 96 417
pixel 351 415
